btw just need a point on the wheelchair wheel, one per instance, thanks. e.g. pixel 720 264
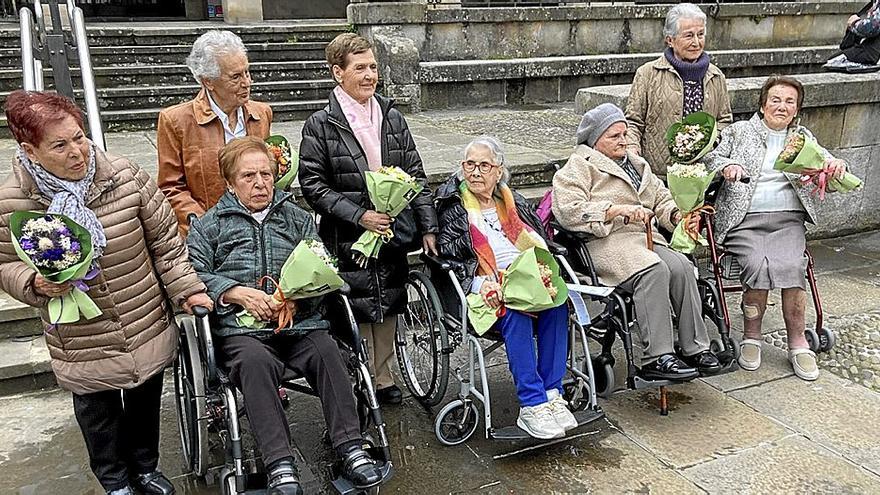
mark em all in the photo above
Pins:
pixel 456 422
pixel 813 340
pixel 827 339
pixel 605 380
pixel 421 339
pixel 189 389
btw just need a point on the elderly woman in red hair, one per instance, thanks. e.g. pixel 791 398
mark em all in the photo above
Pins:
pixel 113 363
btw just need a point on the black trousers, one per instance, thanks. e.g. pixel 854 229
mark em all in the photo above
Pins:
pixel 858 49
pixel 121 430
pixel 256 368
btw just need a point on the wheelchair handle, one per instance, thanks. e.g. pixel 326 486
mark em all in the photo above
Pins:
pixel 200 311
pixel 430 258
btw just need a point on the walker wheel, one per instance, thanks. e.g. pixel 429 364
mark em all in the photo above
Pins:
pixel 716 346
pixel 812 339
pixel 827 339
pixel 456 422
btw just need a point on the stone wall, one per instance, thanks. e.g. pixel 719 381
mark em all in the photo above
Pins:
pixel 841 110
pixel 442 56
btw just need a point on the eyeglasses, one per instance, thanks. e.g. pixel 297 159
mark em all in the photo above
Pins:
pixel 470 165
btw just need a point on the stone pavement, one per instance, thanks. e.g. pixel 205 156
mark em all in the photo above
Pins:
pixel 746 432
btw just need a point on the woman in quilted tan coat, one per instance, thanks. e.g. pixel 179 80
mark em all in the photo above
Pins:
pixel 611 194
pixel 681 81
pixel 113 363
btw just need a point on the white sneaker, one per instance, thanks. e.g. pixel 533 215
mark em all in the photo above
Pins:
pixel 836 61
pixel 539 422
pixel 561 413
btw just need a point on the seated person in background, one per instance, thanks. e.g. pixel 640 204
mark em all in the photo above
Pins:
pixel 247 235
pixel 484 226
pixel 860 48
pixel 611 194
pixel 189 135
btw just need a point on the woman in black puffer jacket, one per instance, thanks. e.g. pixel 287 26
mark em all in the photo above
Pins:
pixel 359 131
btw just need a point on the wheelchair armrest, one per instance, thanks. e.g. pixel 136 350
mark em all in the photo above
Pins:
pixel 557 249
pixel 436 262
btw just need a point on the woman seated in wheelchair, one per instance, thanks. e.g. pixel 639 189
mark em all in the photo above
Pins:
pixel 612 195
pixel 761 223
pixel 484 225
pixel 248 235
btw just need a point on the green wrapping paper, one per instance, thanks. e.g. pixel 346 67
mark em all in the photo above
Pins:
pixel 811 158
pixel 390 190
pixel 70 307
pixel 708 126
pixel 689 195
pixel 523 289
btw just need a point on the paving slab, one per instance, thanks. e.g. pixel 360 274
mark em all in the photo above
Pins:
pixel 774 366
pixel 713 422
pixel 831 411
pixel 792 465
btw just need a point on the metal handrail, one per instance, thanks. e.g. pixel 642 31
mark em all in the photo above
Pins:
pixel 38 44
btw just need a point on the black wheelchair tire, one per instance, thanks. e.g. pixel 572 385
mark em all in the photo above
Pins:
pixel 429 394
pixel 190 394
pixel 445 428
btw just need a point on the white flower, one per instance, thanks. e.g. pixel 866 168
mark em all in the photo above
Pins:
pixel 44 244
pixel 691 170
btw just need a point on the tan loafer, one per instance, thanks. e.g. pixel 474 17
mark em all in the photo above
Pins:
pixel 804 363
pixel 749 354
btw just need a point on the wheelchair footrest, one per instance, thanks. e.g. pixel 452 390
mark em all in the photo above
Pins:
pixel 344 487
pixel 642 383
pixel 513 432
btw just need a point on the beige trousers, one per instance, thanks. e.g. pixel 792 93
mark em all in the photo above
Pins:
pixel 380 349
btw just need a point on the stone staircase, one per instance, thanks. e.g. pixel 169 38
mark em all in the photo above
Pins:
pixel 139 68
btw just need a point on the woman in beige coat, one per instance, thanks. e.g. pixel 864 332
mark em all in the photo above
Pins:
pixel 681 81
pixel 141 261
pixel 612 195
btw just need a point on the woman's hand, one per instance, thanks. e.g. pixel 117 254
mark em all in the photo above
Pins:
pixel 429 244
pixel 836 167
pixel 633 213
pixel 733 172
pixel 255 301
pixel 44 287
pixel 852 20
pixel 200 299
pixel 491 293
pixel 376 222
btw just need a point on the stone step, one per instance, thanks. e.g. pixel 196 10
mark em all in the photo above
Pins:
pixel 550 79
pixel 174 54
pixel 18 319
pixel 159 75
pixel 184 33
pixel 24 365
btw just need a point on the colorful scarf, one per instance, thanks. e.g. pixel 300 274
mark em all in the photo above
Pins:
pixel 520 235
pixel 365 123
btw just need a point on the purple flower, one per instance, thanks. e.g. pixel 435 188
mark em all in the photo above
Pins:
pixel 64 231
pixel 27 244
pixel 53 254
pixel 74 246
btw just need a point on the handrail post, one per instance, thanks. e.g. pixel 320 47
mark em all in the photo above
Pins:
pixel 90 93
pixel 26 23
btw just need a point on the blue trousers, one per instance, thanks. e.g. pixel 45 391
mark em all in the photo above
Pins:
pixel 535 374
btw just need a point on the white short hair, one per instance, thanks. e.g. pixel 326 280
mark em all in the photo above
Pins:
pixel 204 58
pixel 497 150
pixel 678 13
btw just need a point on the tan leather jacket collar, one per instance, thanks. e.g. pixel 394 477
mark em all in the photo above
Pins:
pixel 204 114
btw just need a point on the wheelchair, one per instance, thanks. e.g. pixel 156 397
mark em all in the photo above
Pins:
pixel 725 270
pixel 435 324
pixel 617 320
pixel 208 404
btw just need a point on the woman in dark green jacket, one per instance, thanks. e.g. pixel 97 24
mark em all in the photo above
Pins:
pixel 249 234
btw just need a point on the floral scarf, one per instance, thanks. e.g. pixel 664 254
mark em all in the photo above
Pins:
pixel 520 235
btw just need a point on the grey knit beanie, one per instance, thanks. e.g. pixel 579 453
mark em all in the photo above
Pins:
pixel 597 121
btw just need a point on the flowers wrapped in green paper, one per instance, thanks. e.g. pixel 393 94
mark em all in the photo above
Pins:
pixel 309 271
pixel 286 160
pixel 60 250
pixel 687 185
pixel 531 283
pixel 692 137
pixel 391 190
pixel 802 155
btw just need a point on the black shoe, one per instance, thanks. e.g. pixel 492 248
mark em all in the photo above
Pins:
pixel 154 483
pixel 283 478
pixel 668 367
pixel 705 362
pixel 389 395
pixel 360 469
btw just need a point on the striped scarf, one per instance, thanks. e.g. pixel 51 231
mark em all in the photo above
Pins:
pixel 520 235
pixel 69 197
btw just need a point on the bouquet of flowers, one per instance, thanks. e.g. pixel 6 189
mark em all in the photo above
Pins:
pixel 802 155
pixel 530 283
pixel 687 185
pixel 692 137
pixel 309 271
pixel 391 190
pixel 60 250
pixel 286 159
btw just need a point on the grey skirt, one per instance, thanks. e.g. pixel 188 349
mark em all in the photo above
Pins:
pixel 769 247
